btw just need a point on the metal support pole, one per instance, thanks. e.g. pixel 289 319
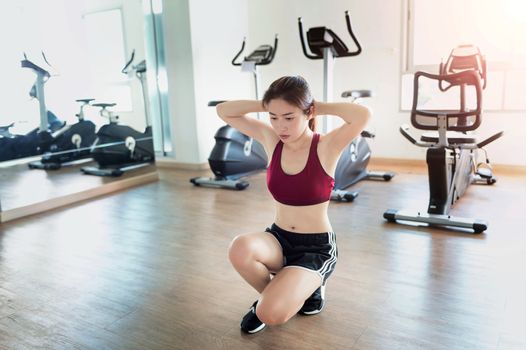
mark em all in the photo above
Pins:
pixel 328 70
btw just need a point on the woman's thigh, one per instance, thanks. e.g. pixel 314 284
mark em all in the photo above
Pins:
pixel 260 246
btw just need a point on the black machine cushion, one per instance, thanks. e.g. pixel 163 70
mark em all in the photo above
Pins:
pixel 453 137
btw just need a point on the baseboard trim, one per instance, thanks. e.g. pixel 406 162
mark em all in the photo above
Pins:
pixel 375 162
pixel 400 163
pixel 509 169
pixel 171 164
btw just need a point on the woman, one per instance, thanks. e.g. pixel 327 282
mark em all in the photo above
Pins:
pixel 290 262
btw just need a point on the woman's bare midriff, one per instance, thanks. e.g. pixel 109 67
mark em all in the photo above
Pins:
pixel 303 219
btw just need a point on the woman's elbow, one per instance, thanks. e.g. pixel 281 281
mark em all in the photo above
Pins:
pixel 365 115
pixel 220 110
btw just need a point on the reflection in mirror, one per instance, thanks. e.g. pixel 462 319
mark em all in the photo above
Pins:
pixel 75 103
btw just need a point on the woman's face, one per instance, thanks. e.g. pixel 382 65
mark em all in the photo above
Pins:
pixel 289 121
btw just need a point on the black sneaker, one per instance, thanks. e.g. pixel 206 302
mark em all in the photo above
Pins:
pixel 314 304
pixel 250 322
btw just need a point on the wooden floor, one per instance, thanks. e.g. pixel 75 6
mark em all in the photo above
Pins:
pixel 147 269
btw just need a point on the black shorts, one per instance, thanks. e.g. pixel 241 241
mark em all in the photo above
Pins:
pixel 313 251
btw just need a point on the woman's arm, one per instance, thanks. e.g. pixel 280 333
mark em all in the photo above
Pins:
pixel 234 113
pixel 355 117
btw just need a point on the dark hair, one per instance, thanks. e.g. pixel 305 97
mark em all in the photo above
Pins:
pixel 294 90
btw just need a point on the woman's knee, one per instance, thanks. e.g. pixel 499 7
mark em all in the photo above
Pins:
pixel 241 250
pixel 274 313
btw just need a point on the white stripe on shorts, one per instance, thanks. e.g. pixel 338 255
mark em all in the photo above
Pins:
pixel 329 263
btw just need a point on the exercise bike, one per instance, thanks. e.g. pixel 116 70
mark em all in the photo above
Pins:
pixel 120 148
pixel 236 155
pixel 71 145
pixel 16 146
pixel 324 44
pixel 451 150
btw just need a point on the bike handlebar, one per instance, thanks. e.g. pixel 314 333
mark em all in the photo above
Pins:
pixel 264 61
pixel 347 54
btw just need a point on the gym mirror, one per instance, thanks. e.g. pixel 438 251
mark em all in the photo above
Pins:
pixel 75 120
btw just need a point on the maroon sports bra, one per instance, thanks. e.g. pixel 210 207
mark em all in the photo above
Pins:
pixel 310 186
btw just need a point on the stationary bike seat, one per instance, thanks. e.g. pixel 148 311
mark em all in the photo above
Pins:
pixel 357 93
pixel 453 137
pixel 85 100
pixel 104 105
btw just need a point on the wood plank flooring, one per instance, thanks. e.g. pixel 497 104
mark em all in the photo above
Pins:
pixel 147 269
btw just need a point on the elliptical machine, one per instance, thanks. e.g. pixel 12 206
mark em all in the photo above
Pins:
pixel 236 155
pixel 71 144
pixel 120 148
pixel 352 165
pixel 451 151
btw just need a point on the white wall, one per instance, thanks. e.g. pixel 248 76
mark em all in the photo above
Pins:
pixel 217 28
pixel 202 37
